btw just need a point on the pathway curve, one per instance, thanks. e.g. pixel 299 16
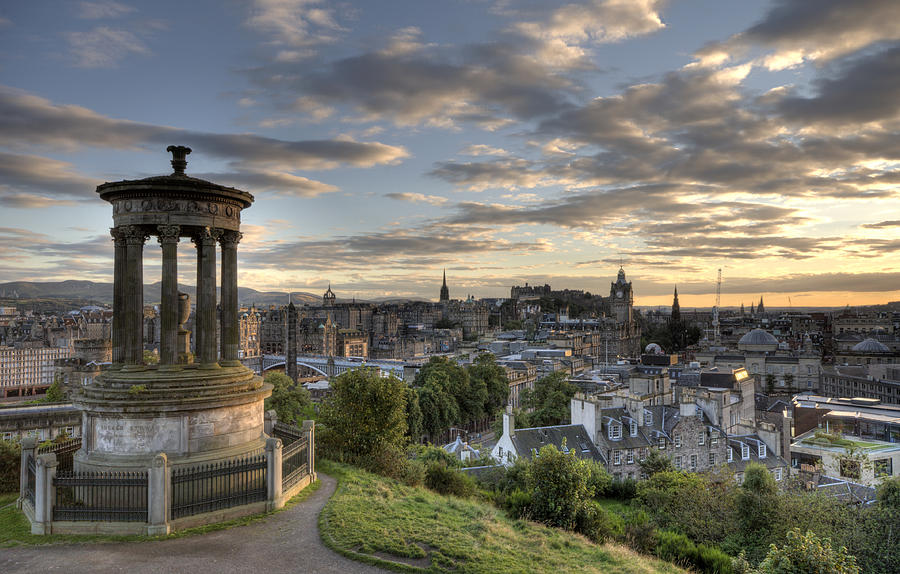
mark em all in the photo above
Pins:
pixel 285 542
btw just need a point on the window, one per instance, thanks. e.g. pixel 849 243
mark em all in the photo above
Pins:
pixel 693 463
pixel 762 450
pixel 677 437
pixel 630 456
pixel 617 457
pixel 777 473
pixel 614 431
pixel 883 467
pixel 662 443
pixel 739 477
pixel 714 439
pixel 712 459
pixel 633 427
pixel 643 453
pixel 500 452
pixel 702 438
pixel 677 462
pixel 730 455
pixel 648 418
pixel 745 452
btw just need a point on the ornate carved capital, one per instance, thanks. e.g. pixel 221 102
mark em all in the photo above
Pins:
pixel 134 234
pixel 168 234
pixel 117 236
pixel 230 239
pixel 203 236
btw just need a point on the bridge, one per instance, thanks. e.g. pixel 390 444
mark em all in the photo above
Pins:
pixel 319 364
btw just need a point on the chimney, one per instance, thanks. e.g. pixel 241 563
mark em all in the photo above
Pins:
pixel 688 409
pixel 509 422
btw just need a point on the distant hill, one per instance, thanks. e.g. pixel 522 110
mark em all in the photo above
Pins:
pixel 103 293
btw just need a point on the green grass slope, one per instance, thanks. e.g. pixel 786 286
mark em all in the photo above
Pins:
pixel 382 522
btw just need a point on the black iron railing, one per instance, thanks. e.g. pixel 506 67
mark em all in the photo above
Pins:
pixel 294 463
pixel 218 485
pixel 101 496
pixel 29 483
pixel 64 450
pixel 287 433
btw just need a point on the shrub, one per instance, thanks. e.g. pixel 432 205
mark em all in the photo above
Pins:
pixel 430 453
pixel 678 548
pixel 411 473
pixel 640 531
pixel 517 504
pixel 599 524
pixel 559 485
pixel 622 489
pixel 444 480
pixel 807 554
pixel 10 462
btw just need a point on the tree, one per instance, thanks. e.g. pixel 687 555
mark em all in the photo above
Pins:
pixel 55 393
pixel 757 507
pixel 807 554
pixel 365 415
pixel 770 383
pixel 550 400
pixel 414 427
pixel 789 380
pixel 437 403
pixel 656 462
pixel 290 401
pixel 485 373
pixel 469 401
pixel 560 486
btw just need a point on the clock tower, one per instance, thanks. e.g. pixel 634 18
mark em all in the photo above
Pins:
pixel 621 298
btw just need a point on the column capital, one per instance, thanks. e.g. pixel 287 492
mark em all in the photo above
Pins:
pixel 118 236
pixel 168 234
pixel 134 234
pixel 204 236
pixel 230 239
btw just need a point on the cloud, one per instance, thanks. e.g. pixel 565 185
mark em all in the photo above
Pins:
pixel 103 47
pixel 418 198
pixel 865 89
pixel 25 118
pixel 294 23
pixel 881 224
pixel 29 181
pixel 482 149
pixel 274 184
pixel 102 10
pixel 816 30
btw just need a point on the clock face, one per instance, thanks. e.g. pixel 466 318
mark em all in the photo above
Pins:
pixel 619 294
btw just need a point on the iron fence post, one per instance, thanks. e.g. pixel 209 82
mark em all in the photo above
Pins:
pixel 274 498
pixel 28 446
pixel 158 496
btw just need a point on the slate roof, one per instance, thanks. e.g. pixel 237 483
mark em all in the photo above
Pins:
pixel 770 461
pixel 530 440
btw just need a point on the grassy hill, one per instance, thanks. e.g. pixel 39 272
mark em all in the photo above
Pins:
pixel 407 529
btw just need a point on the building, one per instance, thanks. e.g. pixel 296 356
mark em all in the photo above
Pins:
pixel 42 422
pixel 873 381
pixel 526 443
pixel 29 369
pixel 445 292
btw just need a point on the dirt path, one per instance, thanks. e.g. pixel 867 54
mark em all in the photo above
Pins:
pixel 285 542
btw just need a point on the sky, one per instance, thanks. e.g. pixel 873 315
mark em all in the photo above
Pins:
pixel 504 141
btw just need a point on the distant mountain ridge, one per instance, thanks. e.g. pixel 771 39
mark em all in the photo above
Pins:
pixel 103 292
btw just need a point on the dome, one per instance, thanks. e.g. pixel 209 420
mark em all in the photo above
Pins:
pixel 870 346
pixel 653 349
pixel 759 340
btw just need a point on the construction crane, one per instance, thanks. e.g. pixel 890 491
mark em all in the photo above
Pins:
pixel 717 334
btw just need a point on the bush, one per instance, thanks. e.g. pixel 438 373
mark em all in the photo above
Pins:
pixel 623 489
pixel 10 463
pixel 599 524
pixel 678 548
pixel 517 504
pixel 640 531
pixel 444 480
pixel 559 485
pixel 807 554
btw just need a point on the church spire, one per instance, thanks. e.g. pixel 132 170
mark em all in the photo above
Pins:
pixel 445 292
pixel 676 308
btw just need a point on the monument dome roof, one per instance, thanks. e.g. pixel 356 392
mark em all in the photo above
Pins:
pixel 871 346
pixel 758 337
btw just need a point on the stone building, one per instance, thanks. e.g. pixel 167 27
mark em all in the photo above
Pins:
pixel 29 368
pixel 873 381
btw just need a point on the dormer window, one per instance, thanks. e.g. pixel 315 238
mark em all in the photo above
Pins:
pixel 648 418
pixel 730 455
pixel 615 431
pixel 662 443
pixel 745 451
pixel 762 450
pixel 633 427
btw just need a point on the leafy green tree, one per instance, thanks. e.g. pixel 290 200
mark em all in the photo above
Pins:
pixel 290 401
pixel 485 373
pixel 876 535
pixel 469 401
pixel 365 415
pixel 437 403
pixel 414 426
pixel 55 393
pixel 655 462
pixel 550 400
pixel 560 486
pixel 807 554
pixel 10 463
pixel 757 506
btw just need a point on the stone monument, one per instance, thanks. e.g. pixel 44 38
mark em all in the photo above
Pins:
pixel 196 407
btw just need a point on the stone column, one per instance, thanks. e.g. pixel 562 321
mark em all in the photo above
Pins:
pixel 44 493
pixel 274 498
pixel 133 306
pixel 158 496
pixel 168 239
pixel 231 338
pixel 205 314
pixel 29 445
pixel 118 333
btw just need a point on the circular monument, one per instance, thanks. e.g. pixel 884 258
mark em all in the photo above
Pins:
pixel 195 407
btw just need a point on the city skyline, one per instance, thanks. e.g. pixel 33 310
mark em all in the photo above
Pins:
pixel 506 142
